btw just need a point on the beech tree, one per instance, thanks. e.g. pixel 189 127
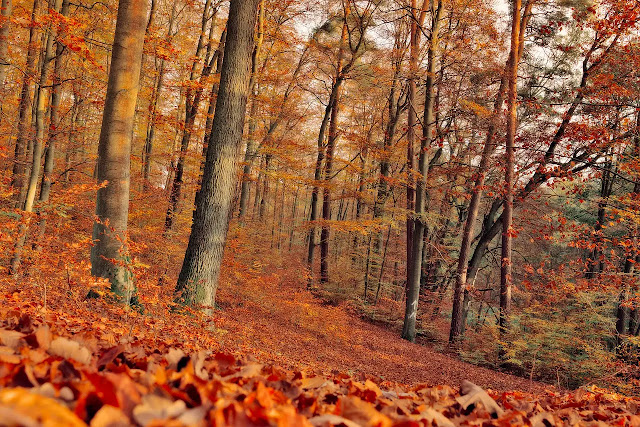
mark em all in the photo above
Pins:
pixel 5 25
pixel 108 254
pixel 198 280
pixel 414 251
pixel 509 180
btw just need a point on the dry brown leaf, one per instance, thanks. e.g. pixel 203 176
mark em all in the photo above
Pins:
pixel 70 349
pixel 43 336
pixel 173 357
pixel 110 416
pixel 33 409
pixel 197 359
pixel 543 419
pixel 362 413
pixel 194 416
pixel 46 390
pixel 435 418
pixel 10 338
pixel 328 420
pixel 471 395
pixel 157 408
pixel 8 355
pixel 312 383
pixel 247 371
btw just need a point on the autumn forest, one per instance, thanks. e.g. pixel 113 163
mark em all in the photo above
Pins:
pixel 320 212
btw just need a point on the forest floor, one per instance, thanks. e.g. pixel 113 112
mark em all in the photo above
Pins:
pixel 283 322
pixel 274 353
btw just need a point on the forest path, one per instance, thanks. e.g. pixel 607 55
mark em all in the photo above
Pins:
pixel 273 316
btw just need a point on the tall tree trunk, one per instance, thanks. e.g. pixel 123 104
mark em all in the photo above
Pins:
pixel 192 102
pixel 411 123
pixel 41 99
pixel 457 315
pixel 509 181
pixel 492 223
pixel 251 150
pixel 54 124
pixel 627 317
pixel 22 136
pixel 108 254
pixel 4 43
pixel 328 164
pixel 415 265
pixel 313 217
pixel 265 185
pixel 213 95
pixel 594 264
pixel 198 279
pixel 153 103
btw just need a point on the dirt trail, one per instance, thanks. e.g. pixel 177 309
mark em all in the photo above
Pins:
pixel 278 320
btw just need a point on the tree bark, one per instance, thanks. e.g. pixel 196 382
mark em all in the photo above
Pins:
pixel 198 279
pixel 251 150
pixel 328 164
pixel 54 125
pixel 108 254
pixel 316 179
pixel 153 103
pixel 19 160
pixel 192 103
pixel 415 263
pixel 4 43
pixel 41 99
pixel 506 280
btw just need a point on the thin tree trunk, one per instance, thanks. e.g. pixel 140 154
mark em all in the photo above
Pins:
pixel 411 159
pixel 281 220
pixel 415 264
pixel 71 153
pixel 506 280
pixel 328 164
pixel 491 225
pixel 294 209
pixel 4 42
pixel 457 316
pixel 256 197
pixel 155 97
pixel 214 94
pixel 198 279
pixel 384 259
pixel 19 161
pixel 108 254
pixel 251 150
pixel 265 185
pixel 54 127
pixel 316 189
pixel 192 103
pixel 41 99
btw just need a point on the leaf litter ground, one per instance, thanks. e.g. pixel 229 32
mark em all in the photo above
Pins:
pixel 273 355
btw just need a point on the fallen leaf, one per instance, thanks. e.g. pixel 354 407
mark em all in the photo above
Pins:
pixel 471 395
pixel 110 416
pixel 157 408
pixel 362 413
pixel 10 338
pixel 328 420
pixel 43 336
pixel 70 349
pixel 26 408
pixel 8 355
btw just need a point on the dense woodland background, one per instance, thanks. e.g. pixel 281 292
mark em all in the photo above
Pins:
pixel 455 170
